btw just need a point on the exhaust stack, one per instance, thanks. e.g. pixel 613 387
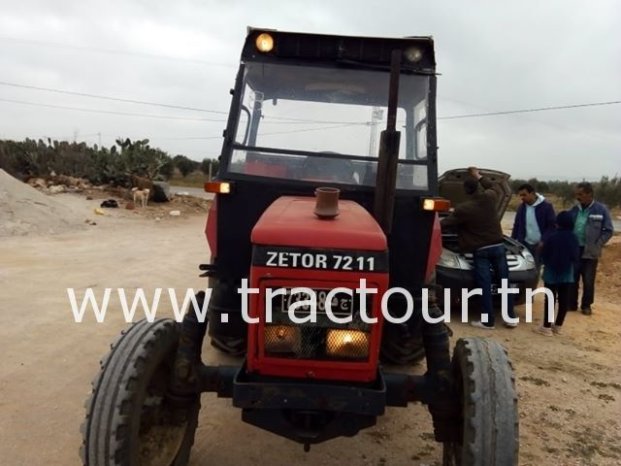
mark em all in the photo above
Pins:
pixel 327 206
pixel 386 182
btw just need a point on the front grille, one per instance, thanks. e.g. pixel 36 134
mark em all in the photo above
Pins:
pixel 319 340
pixel 512 261
pixel 317 343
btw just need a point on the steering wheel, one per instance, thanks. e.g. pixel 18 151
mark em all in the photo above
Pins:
pixel 325 169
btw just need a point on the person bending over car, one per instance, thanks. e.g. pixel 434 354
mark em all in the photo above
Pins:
pixel 480 233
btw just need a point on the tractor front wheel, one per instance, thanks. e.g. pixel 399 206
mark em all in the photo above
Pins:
pixel 129 420
pixel 401 346
pixel 489 417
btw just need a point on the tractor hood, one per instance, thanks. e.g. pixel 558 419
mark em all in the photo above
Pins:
pixel 450 186
pixel 290 222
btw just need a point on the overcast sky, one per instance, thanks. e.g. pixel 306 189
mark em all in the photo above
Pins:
pixel 492 56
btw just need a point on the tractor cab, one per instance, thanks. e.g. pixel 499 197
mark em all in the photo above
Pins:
pixel 324 238
pixel 309 111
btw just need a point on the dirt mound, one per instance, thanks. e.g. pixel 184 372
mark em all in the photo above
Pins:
pixel 24 210
pixel 609 267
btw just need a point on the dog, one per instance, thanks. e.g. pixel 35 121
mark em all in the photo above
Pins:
pixel 141 195
pixel 109 203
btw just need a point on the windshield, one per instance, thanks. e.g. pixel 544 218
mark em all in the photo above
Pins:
pixel 334 116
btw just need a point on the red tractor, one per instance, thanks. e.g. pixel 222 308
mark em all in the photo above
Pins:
pixel 290 263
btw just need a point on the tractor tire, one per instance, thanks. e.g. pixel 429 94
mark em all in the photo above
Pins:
pixel 489 415
pixel 235 347
pixel 401 347
pixel 128 421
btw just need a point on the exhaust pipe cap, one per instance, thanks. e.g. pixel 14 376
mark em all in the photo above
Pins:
pixel 327 205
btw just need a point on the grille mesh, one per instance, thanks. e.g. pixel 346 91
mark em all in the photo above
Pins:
pixel 317 343
pixel 319 340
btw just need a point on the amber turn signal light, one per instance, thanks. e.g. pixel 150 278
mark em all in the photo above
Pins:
pixel 436 205
pixel 218 187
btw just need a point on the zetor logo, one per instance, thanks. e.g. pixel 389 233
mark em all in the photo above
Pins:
pixel 355 261
pixel 296 259
pixel 318 261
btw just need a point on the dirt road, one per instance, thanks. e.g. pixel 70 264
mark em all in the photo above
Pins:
pixel 569 386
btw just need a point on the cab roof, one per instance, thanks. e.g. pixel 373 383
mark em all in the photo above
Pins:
pixel 333 50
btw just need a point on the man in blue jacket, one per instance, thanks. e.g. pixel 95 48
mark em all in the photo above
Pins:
pixel 534 220
pixel 593 228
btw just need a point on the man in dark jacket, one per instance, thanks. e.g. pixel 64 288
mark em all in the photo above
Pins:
pixel 534 220
pixel 593 228
pixel 479 232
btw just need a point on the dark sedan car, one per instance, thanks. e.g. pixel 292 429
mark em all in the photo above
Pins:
pixel 454 270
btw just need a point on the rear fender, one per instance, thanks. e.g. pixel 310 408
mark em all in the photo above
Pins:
pixel 211 228
pixel 435 248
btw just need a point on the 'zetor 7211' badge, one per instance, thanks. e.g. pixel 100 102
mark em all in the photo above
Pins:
pixel 321 259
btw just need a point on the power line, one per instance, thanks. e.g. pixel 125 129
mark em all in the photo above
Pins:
pixel 84 48
pixel 343 125
pixel 292 119
pixel 529 110
pixel 204 62
pixel 280 120
pixel 454 117
pixel 108 112
pixel 164 117
pixel 117 99
pixel 305 130
pixel 289 120
pixel 283 120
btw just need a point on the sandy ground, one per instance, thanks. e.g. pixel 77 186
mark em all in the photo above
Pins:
pixel 569 386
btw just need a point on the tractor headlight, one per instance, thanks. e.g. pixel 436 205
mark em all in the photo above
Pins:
pixel 264 42
pixel 351 344
pixel 282 339
pixel 413 54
